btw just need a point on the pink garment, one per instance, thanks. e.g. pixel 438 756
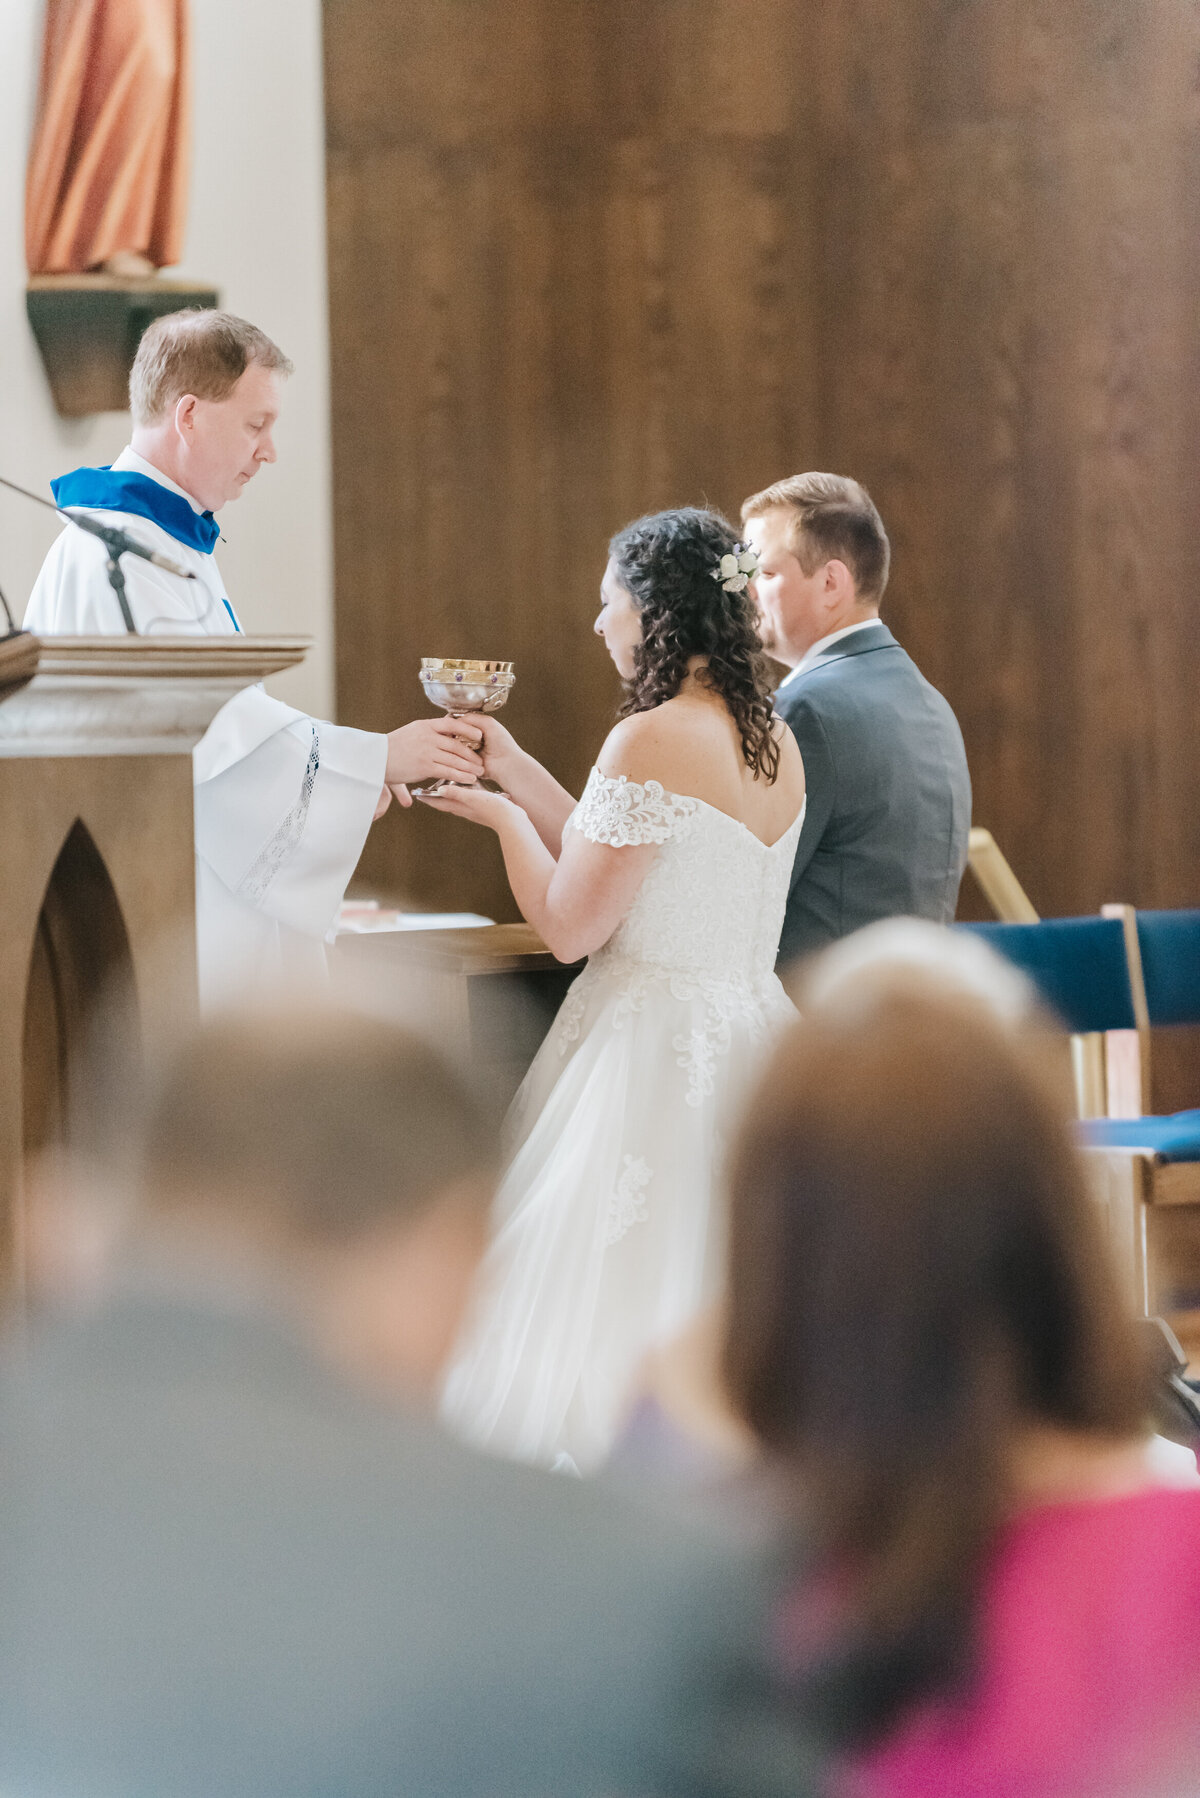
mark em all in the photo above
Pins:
pixel 1089 1662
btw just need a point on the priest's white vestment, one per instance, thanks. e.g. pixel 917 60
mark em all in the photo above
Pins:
pixel 283 802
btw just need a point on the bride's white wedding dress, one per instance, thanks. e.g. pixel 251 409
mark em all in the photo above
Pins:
pixel 608 1235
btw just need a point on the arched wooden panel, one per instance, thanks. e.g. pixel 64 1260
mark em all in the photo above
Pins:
pixel 80 958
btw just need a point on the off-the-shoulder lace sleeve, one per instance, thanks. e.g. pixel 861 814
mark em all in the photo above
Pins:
pixel 624 813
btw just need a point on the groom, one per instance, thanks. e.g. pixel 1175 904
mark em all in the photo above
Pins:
pixel 283 802
pixel 889 795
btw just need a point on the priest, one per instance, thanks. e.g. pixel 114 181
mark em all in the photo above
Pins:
pixel 283 802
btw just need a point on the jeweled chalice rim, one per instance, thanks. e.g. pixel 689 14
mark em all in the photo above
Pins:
pixel 432 664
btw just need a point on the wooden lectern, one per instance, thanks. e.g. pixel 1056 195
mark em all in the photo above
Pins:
pixel 96 735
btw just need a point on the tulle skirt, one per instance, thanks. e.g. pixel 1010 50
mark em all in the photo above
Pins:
pixel 609 1228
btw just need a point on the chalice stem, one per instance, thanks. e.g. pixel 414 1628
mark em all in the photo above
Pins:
pixel 467 743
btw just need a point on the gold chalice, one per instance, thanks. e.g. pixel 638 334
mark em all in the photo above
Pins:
pixel 460 688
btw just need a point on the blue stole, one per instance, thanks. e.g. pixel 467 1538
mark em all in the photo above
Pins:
pixel 123 490
pixel 116 490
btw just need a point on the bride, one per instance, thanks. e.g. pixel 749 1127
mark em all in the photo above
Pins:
pixel 670 874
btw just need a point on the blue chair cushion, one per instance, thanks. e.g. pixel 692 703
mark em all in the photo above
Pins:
pixel 1173 1138
pixel 1078 966
pixel 1170 946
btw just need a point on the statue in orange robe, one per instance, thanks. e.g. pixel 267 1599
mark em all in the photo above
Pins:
pixel 108 172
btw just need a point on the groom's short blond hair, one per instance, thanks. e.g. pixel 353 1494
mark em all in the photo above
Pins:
pixel 831 518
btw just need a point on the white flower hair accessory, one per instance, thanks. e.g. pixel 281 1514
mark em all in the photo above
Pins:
pixel 736 570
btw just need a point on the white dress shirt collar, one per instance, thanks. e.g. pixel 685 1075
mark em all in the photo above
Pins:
pixel 819 648
pixel 129 462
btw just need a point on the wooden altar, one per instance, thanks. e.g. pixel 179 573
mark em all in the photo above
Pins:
pixel 489 993
pixel 96 849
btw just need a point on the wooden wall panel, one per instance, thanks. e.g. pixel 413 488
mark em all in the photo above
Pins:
pixel 589 259
pixel 1008 289
pixel 567 287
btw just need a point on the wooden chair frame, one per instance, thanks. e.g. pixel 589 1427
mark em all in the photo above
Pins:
pixel 1012 905
pixel 997 882
pixel 1161 1198
pixel 1151 1207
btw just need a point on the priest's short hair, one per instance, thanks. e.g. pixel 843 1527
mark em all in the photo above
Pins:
pixel 199 351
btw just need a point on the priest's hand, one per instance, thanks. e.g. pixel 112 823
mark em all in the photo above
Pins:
pixel 385 799
pixel 433 749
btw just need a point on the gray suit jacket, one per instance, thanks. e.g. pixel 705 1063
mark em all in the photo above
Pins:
pixel 222 1575
pixel 889 795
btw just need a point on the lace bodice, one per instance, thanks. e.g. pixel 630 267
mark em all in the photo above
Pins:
pixel 713 901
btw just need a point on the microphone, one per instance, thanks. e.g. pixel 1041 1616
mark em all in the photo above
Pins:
pixel 120 543
pixel 117 542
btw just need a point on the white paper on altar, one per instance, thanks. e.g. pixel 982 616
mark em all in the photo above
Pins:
pixel 360 917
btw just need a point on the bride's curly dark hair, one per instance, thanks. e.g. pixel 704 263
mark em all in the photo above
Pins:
pixel 666 562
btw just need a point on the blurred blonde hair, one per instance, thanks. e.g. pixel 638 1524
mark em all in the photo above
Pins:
pixel 324 1120
pixel 907 952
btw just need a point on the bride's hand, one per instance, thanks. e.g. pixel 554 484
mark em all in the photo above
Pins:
pixel 502 754
pixel 475 803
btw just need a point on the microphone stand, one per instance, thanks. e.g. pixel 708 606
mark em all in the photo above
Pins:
pixel 116 578
pixel 12 630
pixel 118 543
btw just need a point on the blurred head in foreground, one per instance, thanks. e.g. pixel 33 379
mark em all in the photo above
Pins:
pixel 911 953
pixel 326 1162
pixel 224 1569
pixel 920 1296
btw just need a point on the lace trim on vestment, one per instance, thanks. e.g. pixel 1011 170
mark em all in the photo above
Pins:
pixel 623 813
pixel 271 858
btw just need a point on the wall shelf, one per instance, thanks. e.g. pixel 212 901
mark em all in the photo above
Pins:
pixel 88 328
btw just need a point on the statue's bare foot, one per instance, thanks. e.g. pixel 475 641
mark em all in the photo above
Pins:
pixel 128 265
